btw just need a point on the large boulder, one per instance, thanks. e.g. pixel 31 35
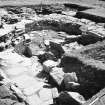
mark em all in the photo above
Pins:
pixel 57 75
pixel 70 80
pixel 46 56
pixel 48 65
pixel 56 49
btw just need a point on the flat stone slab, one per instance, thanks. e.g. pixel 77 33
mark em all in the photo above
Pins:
pixel 26 82
pixel 15 71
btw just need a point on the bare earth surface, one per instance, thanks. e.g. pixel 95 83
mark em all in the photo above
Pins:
pixel 33 2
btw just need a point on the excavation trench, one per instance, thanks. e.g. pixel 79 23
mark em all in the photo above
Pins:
pixel 91 78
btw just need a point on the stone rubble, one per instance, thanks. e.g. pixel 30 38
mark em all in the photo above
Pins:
pixel 31 70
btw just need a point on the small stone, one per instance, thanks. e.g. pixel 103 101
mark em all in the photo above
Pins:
pixel 56 49
pixel 79 98
pixel 55 93
pixel 70 80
